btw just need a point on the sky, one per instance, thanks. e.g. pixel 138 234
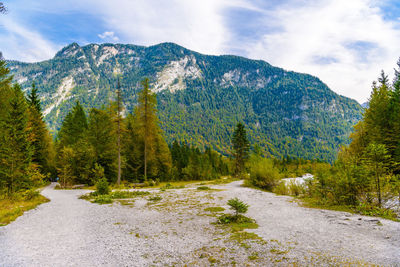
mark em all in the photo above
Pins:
pixel 346 43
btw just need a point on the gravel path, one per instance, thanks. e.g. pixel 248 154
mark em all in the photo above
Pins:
pixel 177 230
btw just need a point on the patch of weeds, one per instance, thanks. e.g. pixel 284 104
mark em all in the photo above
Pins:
pixel 125 202
pixel 253 256
pixel 121 194
pixel 102 199
pixel 368 210
pixel 170 186
pixel 212 260
pixel 12 208
pixel 214 209
pixel 277 251
pixel 240 237
pixel 154 198
pixel 203 188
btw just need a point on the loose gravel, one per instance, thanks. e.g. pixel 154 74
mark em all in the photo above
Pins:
pixel 177 230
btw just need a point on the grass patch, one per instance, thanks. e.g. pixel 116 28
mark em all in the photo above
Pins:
pixel 121 194
pixel 214 209
pixel 203 187
pixel 11 209
pixel 253 256
pixel 363 210
pixel 154 198
pixel 103 199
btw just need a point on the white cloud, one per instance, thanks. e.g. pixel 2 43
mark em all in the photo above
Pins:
pixel 345 43
pixel 109 36
pixel 24 43
pixel 196 25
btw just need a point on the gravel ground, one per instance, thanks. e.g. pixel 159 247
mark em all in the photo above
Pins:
pixel 178 231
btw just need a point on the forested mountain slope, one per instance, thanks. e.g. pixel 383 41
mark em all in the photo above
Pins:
pixel 200 97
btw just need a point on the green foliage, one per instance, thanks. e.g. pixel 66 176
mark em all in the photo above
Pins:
pixel 241 222
pixel 203 187
pixel 155 198
pixel 120 194
pixel 31 194
pixel 263 173
pixel 102 137
pixel 102 187
pixel 241 148
pixel 214 209
pixel 314 122
pixel 102 199
pixel 238 206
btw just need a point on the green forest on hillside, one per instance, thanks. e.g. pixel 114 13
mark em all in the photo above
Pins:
pixel 285 113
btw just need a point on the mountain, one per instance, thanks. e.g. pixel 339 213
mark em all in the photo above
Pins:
pixel 200 97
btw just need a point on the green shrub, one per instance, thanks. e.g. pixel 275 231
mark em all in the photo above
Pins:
pixel 103 199
pixel 281 189
pixel 263 174
pixel 102 187
pixel 296 189
pixel 238 206
pixel 30 194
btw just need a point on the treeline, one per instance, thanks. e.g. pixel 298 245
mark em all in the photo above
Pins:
pixel 26 148
pixel 89 148
pixel 366 174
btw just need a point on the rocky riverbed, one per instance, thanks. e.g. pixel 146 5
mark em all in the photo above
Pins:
pixel 179 229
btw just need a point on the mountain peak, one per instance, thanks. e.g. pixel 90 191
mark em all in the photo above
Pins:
pixel 69 50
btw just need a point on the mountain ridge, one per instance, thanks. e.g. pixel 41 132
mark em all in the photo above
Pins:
pixel 201 97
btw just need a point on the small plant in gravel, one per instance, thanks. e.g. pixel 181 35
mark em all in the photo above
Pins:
pixel 102 187
pixel 238 206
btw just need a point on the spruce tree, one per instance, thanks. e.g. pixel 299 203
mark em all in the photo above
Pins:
pixel 16 150
pixel 102 136
pixel 33 98
pixel 39 136
pixel 241 148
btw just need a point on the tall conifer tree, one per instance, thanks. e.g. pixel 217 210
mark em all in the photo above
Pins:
pixel 241 148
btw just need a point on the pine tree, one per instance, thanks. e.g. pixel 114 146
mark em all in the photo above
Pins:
pixel 39 136
pixel 241 148
pixel 33 98
pixel 16 150
pixel 74 126
pixel 146 114
pixel 73 134
pixel 156 154
pixel 119 118
pixel 102 136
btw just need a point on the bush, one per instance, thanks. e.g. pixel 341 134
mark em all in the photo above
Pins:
pixel 238 206
pixel 102 187
pixel 263 174
pixel 30 194
pixel 281 189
